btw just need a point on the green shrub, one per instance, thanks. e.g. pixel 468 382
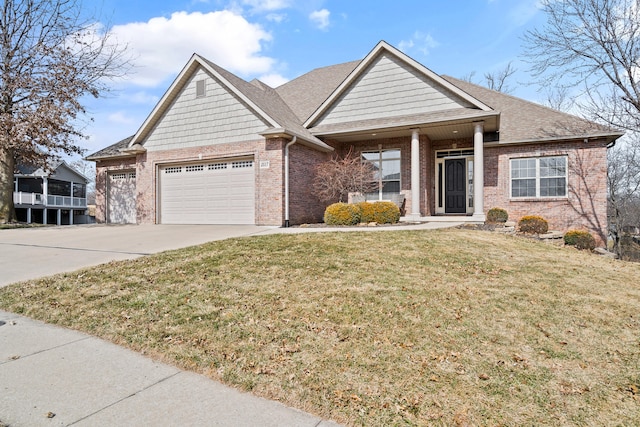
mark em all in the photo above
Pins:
pixel 342 214
pixel 497 215
pixel 581 239
pixel 380 212
pixel 533 224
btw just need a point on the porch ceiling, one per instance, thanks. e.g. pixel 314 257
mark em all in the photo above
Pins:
pixel 436 127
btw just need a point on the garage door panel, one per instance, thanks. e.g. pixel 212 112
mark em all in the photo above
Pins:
pixel 121 198
pixel 208 193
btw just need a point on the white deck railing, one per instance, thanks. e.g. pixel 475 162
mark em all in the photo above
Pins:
pixel 22 198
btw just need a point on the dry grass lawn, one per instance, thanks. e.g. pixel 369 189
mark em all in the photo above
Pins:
pixel 446 327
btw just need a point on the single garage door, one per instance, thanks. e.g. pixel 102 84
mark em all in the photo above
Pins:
pixel 121 199
pixel 215 192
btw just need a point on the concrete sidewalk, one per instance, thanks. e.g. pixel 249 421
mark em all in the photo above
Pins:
pixel 50 376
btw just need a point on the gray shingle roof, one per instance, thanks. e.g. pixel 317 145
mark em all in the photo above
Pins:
pixel 114 150
pixel 522 120
pixel 292 103
pixel 307 92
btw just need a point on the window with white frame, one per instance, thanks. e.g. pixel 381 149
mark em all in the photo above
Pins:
pixel 387 166
pixel 538 177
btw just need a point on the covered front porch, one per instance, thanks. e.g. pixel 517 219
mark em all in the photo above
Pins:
pixel 435 164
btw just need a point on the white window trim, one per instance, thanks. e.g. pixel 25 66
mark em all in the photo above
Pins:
pixel 538 196
pixel 379 151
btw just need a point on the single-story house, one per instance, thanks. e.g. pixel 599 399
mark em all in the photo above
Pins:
pixel 217 149
pixel 55 195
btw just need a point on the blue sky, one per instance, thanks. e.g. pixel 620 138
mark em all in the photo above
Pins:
pixel 278 40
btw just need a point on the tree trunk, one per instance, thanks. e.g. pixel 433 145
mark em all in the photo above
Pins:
pixel 7 164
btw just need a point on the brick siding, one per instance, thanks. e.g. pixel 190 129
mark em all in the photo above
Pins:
pixel 584 207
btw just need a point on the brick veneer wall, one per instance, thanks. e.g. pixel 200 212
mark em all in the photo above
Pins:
pixel 585 207
pixel 304 206
pixel 269 196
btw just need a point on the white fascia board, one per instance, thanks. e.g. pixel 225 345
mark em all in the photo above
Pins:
pixel 305 140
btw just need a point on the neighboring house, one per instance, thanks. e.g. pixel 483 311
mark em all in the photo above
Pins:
pixel 219 150
pixel 55 196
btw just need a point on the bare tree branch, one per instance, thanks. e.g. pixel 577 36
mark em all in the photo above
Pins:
pixel 50 58
pixel 336 178
pixel 498 80
pixel 594 45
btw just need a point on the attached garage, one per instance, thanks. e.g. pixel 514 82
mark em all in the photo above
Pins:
pixel 121 198
pixel 213 192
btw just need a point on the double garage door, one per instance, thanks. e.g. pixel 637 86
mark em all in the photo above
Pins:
pixel 213 192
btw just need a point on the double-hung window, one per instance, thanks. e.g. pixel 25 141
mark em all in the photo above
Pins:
pixel 387 166
pixel 539 177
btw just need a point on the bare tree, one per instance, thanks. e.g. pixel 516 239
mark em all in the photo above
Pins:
pixel 88 169
pixel 336 178
pixel 624 193
pixel 594 45
pixel 558 98
pixel 498 80
pixel 50 58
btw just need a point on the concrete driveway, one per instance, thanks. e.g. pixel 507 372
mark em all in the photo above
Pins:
pixel 30 253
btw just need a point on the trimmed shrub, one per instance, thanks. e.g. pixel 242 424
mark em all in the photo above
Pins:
pixel 380 212
pixel 497 215
pixel 533 224
pixel 342 214
pixel 581 239
pixel 367 211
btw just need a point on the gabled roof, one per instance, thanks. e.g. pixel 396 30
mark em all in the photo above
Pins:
pixel 524 121
pixel 261 99
pixel 368 60
pixel 112 151
pixel 307 92
pixel 39 171
pixel 295 108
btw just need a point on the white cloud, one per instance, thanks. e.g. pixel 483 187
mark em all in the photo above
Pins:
pixel 141 98
pixel 162 46
pixel 267 5
pixel 523 12
pixel 320 18
pixel 120 118
pixel 419 41
pixel 276 17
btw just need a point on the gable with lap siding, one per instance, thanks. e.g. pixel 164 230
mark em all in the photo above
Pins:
pixel 390 87
pixel 196 120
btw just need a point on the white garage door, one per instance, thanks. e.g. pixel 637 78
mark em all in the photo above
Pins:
pixel 215 192
pixel 121 199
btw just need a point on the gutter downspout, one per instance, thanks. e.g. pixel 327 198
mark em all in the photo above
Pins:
pixel 286 180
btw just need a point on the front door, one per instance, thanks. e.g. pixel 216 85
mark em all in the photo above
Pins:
pixel 455 186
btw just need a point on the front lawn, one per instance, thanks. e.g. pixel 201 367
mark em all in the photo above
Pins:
pixel 445 327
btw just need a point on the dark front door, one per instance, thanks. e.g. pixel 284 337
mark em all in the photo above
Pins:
pixel 455 186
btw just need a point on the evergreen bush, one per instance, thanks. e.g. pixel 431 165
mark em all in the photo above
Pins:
pixel 533 224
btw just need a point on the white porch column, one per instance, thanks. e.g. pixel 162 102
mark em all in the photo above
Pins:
pixel 415 173
pixel 478 172
pixel 71 216
pixel 28 215
pixel 44 216
pixel 59 217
